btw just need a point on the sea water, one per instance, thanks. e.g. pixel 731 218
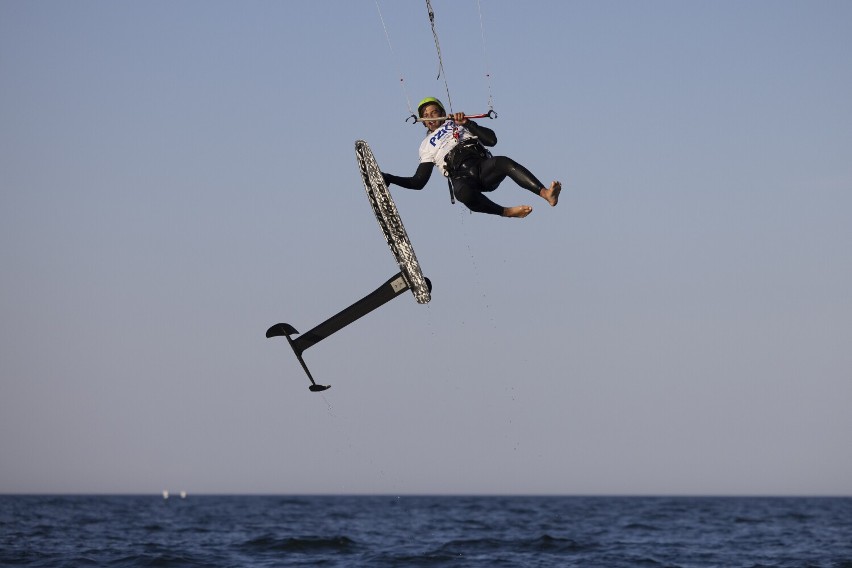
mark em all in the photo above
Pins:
pixel 407 531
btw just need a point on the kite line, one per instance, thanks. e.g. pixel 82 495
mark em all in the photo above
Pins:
pixel 441 71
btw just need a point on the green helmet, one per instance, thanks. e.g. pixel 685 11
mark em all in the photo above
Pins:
pixel 429 101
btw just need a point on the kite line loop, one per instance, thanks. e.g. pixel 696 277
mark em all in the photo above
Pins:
pixel 485 56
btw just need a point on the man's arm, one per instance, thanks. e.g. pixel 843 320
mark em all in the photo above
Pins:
pixel 417 181
pixel 486 135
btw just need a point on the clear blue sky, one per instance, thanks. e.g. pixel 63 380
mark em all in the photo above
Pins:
pixel 175 177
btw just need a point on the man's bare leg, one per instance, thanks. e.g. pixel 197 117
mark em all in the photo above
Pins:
pixel 551 194
pixel 519 211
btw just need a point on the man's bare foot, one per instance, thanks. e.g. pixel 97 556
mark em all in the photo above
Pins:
pixel 551 194
pixel 519 211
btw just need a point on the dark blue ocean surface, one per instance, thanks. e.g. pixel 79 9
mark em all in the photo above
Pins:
pixel 609 532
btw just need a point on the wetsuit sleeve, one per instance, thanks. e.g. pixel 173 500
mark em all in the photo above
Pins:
pixel 486 135
pixel 417 181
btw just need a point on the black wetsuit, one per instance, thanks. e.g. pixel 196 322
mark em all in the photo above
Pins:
pixel 473 171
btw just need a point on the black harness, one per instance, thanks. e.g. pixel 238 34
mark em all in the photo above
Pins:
pixel 464 156
pixel 462 160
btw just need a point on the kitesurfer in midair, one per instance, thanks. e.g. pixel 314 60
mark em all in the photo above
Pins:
pixel 456 146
